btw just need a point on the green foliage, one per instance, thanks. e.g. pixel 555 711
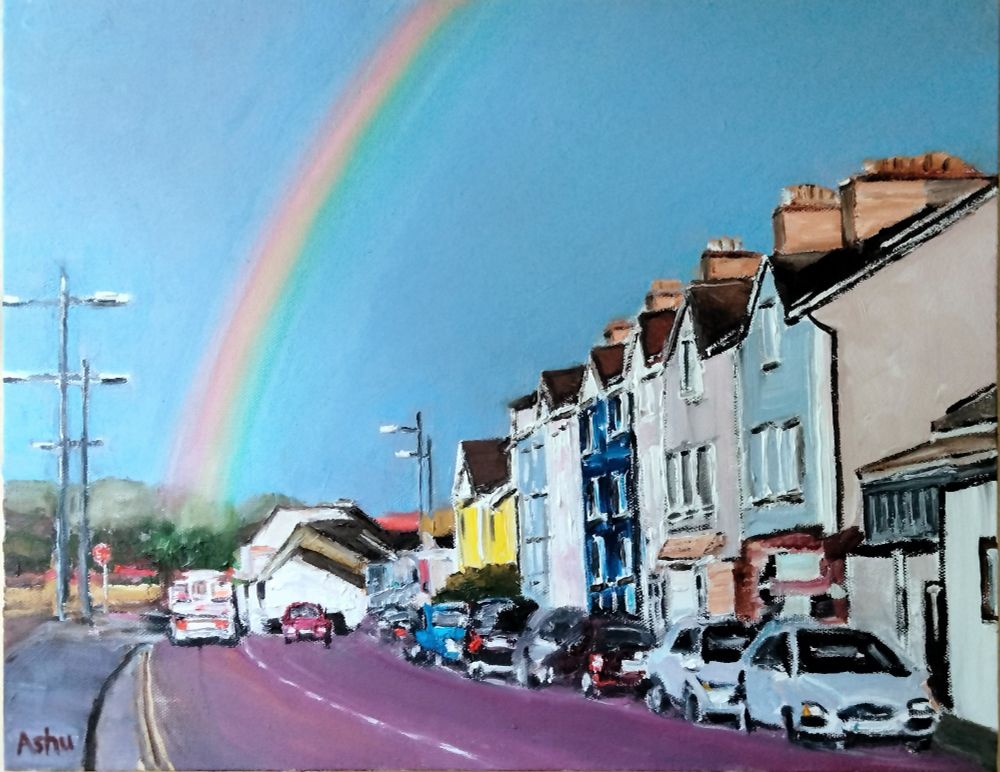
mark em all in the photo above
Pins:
pixel 171 548
pixel 474 584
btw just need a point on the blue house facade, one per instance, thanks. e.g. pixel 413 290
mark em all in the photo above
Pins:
pixel 611 529
pixel 788 472
pixel 528 467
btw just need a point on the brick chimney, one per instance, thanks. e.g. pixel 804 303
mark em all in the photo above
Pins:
pixel 617 331
pixel 725 258
pixel 664 294
pixel 892 189
pixel 807 220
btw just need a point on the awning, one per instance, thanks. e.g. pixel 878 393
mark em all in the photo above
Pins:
pixel 691 547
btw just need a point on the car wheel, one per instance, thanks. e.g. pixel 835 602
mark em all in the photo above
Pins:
pixel 548 676
pixel 288 640
pixel 919 745
pixel 692 710
pixel 656 697
pixel 437 660
pixel 790 731
pixel 587 686
pixel 476 672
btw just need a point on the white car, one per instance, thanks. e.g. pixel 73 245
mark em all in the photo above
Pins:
pixel 834 682
pixel 697 668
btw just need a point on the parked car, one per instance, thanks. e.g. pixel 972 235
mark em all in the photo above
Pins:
pixel 492 635
pixel 305 620
pixel 551 647
pixel 441 634
pixel 697 668
pixel 396 623
pixel 614 656
pixel 834 682
pixel 201 609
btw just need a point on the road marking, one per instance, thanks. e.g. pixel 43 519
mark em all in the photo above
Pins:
pixel 447 747
pixel 153 740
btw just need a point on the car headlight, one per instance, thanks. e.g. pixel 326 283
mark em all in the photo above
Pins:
pixel 451 645
pixel 814 712
pixel 920 707
pixel 711 685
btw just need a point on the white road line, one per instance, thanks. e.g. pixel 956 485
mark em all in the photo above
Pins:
pixel 447 747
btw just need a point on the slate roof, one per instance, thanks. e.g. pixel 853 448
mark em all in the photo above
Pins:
pixel 563 386
pixel 486 462
pixel 654 332
pixel 719 313
pixel 524 402
pixel 365 537
pixel 801 279
pixel 609 362
pixel 979 408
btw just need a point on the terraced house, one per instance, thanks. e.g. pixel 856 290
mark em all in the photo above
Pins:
pixel 527 455
pixel 484 502
pixel 610 522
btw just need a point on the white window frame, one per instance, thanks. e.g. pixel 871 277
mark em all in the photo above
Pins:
pixel 619 493
pixel 776 462
pixel 598 542
pixel 594 491
pixel 625 556
pixel 622 398
pixel 692 387
pixel 686 505
pixel 770 339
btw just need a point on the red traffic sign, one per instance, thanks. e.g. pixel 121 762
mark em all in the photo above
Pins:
pixel 101 553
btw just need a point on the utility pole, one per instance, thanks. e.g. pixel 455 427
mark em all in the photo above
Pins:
pixel 420 465
pixel 430 482
pixel 83 552
pixel 63 378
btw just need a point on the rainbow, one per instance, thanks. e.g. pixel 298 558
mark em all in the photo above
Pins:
pixel 221 397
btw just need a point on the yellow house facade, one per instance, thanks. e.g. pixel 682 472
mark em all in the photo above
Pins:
pixel 485 507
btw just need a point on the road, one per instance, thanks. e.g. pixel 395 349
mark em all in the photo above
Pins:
pixel 359 705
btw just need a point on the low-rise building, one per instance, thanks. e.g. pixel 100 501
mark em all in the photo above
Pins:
pixel 485 505
pixel 527 456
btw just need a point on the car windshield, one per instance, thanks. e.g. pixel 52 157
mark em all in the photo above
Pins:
pixel 514 619
pixel 305 611
pixel 631 637
pixel 846 651
pixel 485 618
pixel 725 643
pixel 449 618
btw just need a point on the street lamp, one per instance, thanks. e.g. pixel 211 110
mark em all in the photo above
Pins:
pixel 421 453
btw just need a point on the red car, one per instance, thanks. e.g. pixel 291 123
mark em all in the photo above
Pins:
pixel 306 620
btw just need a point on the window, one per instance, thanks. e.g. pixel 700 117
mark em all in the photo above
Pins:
pixel 617 413
pixel 691 386
pixel 770 334
pixel 625 556
pixel 619 493
pixel 593 504
pixel 686 641
pixel 776 462
pixel 900 515
pixel 691 485
pixel 773 654
pixel 597 559
pixel 988 576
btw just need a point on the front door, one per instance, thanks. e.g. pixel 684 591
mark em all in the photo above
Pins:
pixel 936 640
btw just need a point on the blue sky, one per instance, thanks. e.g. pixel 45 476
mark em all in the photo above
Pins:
pixel 553 159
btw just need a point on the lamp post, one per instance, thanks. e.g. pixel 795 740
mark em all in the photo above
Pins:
pixel 62 378
pixel 422 453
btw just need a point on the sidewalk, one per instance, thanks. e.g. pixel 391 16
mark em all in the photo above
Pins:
pixel 52 679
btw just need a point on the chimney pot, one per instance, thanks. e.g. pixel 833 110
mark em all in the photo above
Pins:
pixel 807 220
pixel 617 330
pixel 891 189
pixel 664 294
pixel 726 258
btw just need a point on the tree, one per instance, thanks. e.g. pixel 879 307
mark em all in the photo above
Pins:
pixel 474 584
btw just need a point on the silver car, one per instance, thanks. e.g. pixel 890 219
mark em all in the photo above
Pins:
pixel 697 668
pixel 834 682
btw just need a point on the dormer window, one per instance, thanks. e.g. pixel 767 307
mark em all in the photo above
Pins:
pixel 770 334
pixel 691 385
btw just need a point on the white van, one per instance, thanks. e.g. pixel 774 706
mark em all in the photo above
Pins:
pixel 201 608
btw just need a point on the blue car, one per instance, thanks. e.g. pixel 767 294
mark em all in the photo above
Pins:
pixel 441 634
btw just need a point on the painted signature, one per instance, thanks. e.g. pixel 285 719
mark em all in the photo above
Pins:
pixel 43 743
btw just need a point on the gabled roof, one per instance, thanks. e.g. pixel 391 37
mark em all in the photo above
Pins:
pixel 367 539
pixel 806 281
pixel 979 408
pixel 719 313
pixel 524 402
pixel 609 363
pixel 654 331
pixel 563 386
pixel 486 462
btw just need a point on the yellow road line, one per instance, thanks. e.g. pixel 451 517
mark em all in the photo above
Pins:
pixel 154 750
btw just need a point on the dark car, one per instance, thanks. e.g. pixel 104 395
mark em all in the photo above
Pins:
pixel 614 656
pixel 551 647
pixel 306 620
pixel 397 623
pixel 493 632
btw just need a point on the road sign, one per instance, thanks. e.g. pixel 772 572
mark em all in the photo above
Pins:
pixel 101 553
